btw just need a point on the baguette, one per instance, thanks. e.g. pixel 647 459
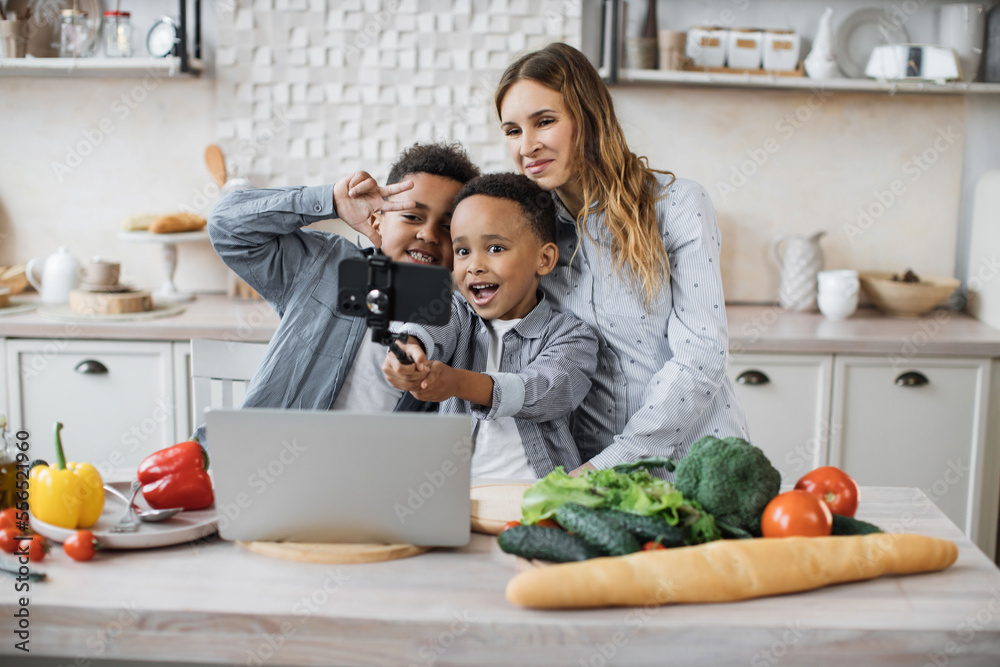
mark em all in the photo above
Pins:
pixel 177 222
pixel 728 570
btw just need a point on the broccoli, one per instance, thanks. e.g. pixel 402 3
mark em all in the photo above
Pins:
pixel 732 479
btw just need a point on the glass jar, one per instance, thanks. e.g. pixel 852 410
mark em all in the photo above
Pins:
pixel 117 34
pixel 74 34
pixel 8 467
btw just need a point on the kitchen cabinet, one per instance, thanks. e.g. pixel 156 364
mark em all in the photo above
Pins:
pixel 923 422
pixel 115 399
pixel 786 399
pixel 919 424
pixel 183 414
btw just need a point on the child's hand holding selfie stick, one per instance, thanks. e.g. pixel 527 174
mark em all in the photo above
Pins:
pixel 434 381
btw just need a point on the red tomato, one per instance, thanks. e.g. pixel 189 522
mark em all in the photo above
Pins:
pixel 81 545
pixel 548 523
pixel 652 546
pixel 38 546
pixel 8 518
pixel 510 524
pixel 834 487
pixel 796 513
pixel 8 539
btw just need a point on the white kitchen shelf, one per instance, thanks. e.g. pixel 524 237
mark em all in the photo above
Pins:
pixel 119 67
pixel 688 78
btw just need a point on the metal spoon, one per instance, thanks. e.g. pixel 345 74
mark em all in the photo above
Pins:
pixel 149 516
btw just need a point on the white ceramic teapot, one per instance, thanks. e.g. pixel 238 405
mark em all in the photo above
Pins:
pixel 59 275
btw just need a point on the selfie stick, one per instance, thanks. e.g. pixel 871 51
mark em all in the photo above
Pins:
pixel 379 304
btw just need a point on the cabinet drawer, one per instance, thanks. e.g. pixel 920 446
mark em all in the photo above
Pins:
pixel 923 434
pixel 786 399
pixel 115 399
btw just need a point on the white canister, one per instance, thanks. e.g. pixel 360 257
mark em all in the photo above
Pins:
pixel 706 46
pixel 744 48
pixel 963 28
pixel 781 50
pixel 837 296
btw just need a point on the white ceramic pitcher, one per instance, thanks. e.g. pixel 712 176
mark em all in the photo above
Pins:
pixel 60 274
pixel 798 261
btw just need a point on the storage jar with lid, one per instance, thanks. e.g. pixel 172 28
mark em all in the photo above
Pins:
pixel 74 34
pixel 117 34
pixel 706 46
pixel 744 48
pixel 781 50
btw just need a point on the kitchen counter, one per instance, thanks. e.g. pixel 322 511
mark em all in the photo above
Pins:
pixel 939 333
pixel 213 602
pixel 213 316
pixel 752 328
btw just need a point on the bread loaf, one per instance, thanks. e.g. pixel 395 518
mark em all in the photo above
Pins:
pixel 139 223
pixel 177 222
pixel 728 570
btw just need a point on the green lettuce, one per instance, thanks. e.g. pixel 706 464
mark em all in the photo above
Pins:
pixel 637 492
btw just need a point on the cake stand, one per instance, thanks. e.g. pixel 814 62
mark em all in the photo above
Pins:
pixel 168 243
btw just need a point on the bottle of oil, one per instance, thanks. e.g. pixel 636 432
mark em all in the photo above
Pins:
pixel 8 467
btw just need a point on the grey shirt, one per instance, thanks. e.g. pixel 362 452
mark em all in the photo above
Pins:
pixel 548 358
pixel 661 380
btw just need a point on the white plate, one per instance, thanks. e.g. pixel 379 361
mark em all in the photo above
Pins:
pixel 860 33
pixel 178 529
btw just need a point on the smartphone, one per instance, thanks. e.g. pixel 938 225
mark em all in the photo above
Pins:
pixel 418 294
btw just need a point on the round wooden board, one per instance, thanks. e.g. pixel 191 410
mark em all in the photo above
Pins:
pixel 343 554
pixel 493 505
pixel 109 303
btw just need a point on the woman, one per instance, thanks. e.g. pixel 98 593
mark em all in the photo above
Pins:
pixel 639 262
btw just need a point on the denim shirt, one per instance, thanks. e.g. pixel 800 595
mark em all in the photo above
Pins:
pixel 259 235
pixel 548 358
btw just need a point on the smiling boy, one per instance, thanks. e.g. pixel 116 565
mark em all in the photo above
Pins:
pixel 317 359
pixel 528 366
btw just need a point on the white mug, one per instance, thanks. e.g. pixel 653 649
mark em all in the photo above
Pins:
pixel 837 297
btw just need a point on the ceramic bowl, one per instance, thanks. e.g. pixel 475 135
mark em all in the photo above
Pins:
pixel 907 299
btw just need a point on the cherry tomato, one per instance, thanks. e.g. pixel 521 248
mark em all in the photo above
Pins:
pixel 38 546
pixel 652 546
pixel 834 487
pixel 796 513
pixel 510 524
pixel 548 523
pixel 81 545
pixel 8 518
pixel 8 539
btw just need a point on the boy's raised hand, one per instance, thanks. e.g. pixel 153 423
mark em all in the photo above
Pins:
pixel 358 196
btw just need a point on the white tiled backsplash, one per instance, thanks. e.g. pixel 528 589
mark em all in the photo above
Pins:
pixel 306 93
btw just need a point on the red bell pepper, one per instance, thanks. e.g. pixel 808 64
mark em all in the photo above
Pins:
pixel 177 477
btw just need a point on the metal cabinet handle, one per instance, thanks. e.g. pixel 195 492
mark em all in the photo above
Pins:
pixel 90 367
pixel 912 379
pixel 752 377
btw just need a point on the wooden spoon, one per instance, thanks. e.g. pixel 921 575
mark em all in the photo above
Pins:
pixel 216 164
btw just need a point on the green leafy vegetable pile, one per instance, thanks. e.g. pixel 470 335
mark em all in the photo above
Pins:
pixel 637 492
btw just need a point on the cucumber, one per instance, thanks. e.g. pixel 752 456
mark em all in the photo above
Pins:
pixel 646 528
pixel 547 544
pixel 591 526
pixel 845 525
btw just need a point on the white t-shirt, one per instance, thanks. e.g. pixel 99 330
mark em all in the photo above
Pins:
pixel 497 449
pixel 365 387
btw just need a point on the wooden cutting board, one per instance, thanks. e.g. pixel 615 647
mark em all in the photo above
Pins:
pixel 493 505
pixel 109 303
pixel 344 554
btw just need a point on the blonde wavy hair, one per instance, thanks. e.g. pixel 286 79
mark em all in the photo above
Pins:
pixel 622 185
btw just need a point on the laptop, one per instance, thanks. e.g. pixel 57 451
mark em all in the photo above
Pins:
pixel 334 476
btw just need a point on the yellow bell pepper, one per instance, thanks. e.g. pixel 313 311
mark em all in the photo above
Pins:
pixel 70 495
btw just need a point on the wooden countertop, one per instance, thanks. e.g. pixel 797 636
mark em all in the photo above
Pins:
pixel 213 602
pixel 752 328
